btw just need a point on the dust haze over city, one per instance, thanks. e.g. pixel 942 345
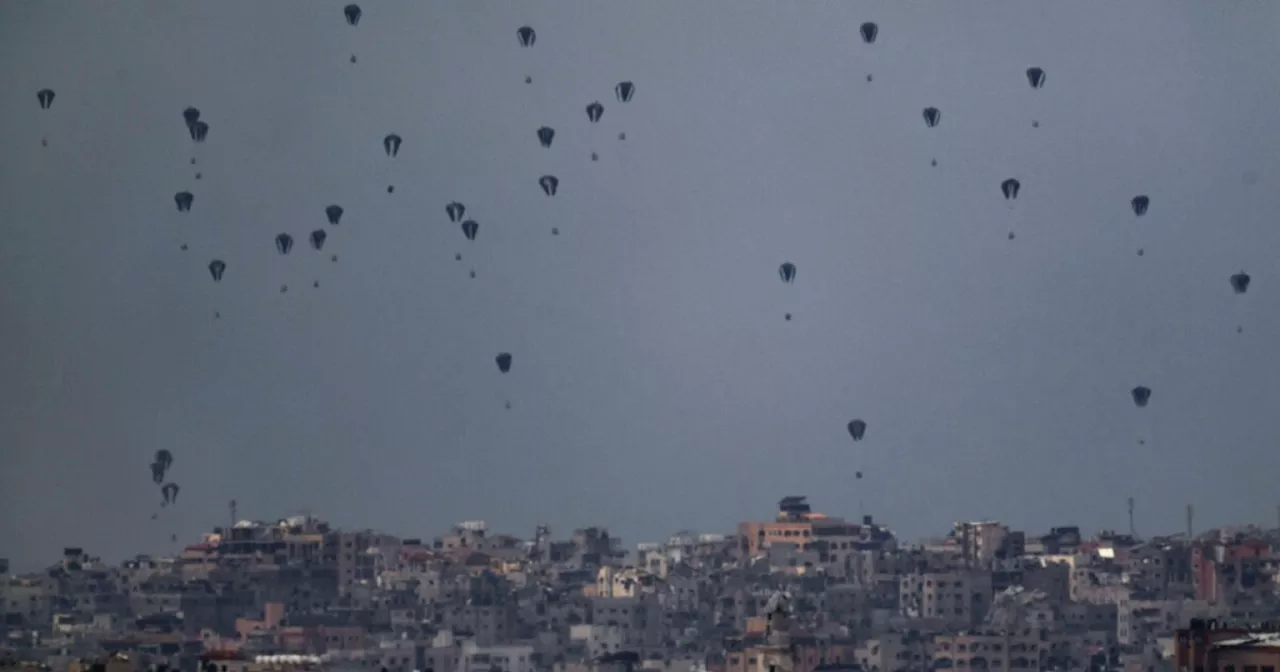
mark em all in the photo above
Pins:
pixel 663 376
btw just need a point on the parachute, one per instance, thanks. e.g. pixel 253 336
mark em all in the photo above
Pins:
pixel 170 492
pixel 1141 395
pixel 216 268
pixel 45 98
pixel 353 14
pixel 624 91
pixel 595 111
pixel 334 214
pixel 470 228
pixel 869 32
pixel 1240 282
pixel 284 243
pixel 455 210
pixel 1010 188
pixel 549 184
pixel 787 271
pixel 545 135
pixel 317 239
pixel 504 361
pixel 199 131
pixel 1036 77
pixel 856 429
pixel 184 199
pixel 391 144
pixel 932 116
pixel 527 36
pixel 163 460
pixel 1140 204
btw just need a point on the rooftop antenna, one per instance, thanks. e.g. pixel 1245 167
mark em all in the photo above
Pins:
pixel 1133 531
pixel 1191 515
pixel 231 506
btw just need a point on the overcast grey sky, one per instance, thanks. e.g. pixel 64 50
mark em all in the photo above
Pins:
pixel 656 385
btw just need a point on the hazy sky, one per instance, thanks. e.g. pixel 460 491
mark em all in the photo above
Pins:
pixel 656 385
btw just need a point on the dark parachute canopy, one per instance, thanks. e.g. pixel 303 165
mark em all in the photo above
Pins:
pixel 45 98
pixel 160 464
pixel 1240 282
pixel 787 271
pixel 624 91
pixel 284 243
pixel 504 361
pixel 549 184
pixel 1141 395
pixel 932 116
pixel 170 492
pixel 1036 77
pixel 184 199
pixel 869 32
pixel 455 210
pixel 527 36
pixel 595 111
pixel 391 144
pixel 856 429
pixel 317 239
pixel 191 115
pixel 545 135
pixel 1010 188
pixel 216 268
pixel 199 131
pixel 1140 204
pixel 470 228
pixel 353 13
pixel 334 214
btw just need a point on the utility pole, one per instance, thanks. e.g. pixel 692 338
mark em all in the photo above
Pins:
pixel 1133 531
